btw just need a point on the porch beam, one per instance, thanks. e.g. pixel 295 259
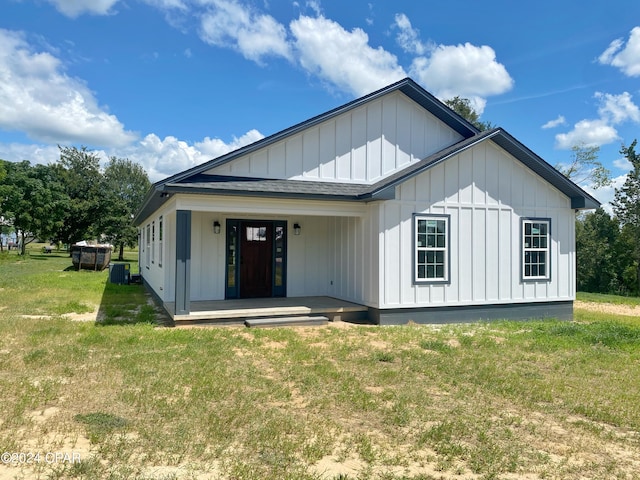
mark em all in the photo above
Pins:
pixel 270 206
pixel 183 262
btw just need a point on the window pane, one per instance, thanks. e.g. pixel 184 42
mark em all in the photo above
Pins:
pixel 534 270
pixel 256 234
pixel 440 257
pixel 542 270
pixel 543 242
pixel 441 226
pixel 421 271
pixel 527 270
pixel 279 254
pixel 431 271
pixel 440 271
pixel 543 229
pixel 440 241
pixel 422 256
pixel 422 240
pixel 527 229
pixel 431 240
pixel 430 257
pixel 422 226
pixel 536 242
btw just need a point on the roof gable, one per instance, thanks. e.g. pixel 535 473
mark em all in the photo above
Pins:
pixel 195 180
pixel 406 86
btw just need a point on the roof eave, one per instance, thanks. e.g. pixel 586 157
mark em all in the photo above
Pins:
pixel 175 189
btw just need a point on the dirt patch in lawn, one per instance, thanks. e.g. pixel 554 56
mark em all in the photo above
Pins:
pixel 629 310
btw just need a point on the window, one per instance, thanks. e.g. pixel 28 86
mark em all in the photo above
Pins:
pixel 153 242
pixel 535 248
pixel 148 248
pixel 431 240
pixel 160 242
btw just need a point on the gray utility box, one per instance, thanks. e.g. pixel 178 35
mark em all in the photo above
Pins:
pixel 120 273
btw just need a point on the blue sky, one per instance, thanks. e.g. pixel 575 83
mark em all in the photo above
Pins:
pixel 173 83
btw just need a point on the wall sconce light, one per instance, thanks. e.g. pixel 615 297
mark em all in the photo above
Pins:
pixel 216 227
pixel 296 229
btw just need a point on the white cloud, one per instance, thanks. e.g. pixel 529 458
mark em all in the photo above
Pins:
pixel 167 4
pixel 159 157
pixel 623 164
pixel 625 57
pixel 214 147
pixel 408 37
pixel 42 154
pixel 465 70
pixel 605 195
pixel 39 99
pixel 589 133
pixel 613 110
pixel 164 157
pixel 555 123
pixel 228 24
pixel 345 59
pixel 75 8
pixel 617 108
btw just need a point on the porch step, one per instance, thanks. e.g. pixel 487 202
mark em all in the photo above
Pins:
pixel 286 321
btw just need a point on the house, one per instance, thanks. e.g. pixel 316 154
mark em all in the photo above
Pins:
pixel 392 202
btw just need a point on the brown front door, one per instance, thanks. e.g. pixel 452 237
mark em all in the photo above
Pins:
pixel 256 259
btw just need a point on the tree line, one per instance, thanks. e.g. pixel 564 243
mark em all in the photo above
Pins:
pixel 72 199
pixel 608 246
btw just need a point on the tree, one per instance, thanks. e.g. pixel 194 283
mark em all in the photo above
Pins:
pixel 596 241
pixel 34 201
pixel 585 168
pixel 79 172
pixel 462 106
pixel 626 205
pixel 124 187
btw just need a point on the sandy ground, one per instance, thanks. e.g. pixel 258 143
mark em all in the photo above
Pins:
pixel 629 310
pixel 331 466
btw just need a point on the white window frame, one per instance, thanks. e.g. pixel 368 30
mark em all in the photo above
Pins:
pixel 153 242
pixel 148 247
pixel 160 226
pixel 535 249
pixel 431 249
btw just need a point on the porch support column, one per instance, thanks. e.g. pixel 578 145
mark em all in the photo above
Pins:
pixel 183 262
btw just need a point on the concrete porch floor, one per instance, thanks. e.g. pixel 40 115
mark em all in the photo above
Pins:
pixel 237 311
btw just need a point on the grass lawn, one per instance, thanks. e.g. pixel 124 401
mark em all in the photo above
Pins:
pixel 124 399
pixel 604 298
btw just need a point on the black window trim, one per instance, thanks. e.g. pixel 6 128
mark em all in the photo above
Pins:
pixel 547 278
pixel 426 281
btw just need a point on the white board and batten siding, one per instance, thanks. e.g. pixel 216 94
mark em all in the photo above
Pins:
pixel 486 192
pixel 361 146
pixel 157 264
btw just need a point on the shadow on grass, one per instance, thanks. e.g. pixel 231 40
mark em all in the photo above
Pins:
pixel 128 304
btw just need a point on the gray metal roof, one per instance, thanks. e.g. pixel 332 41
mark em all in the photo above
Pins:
pixel 195 181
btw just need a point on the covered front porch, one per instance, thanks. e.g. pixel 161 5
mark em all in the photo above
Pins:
pixel 237 311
